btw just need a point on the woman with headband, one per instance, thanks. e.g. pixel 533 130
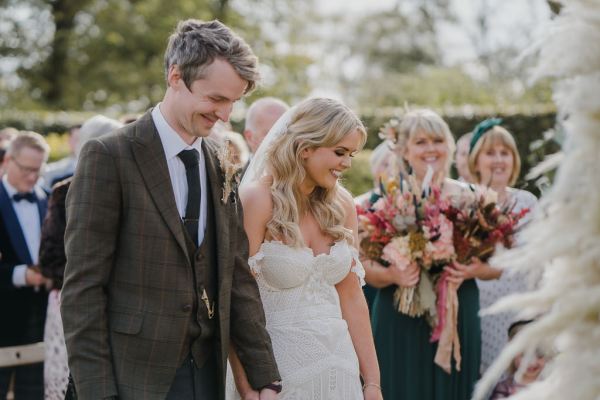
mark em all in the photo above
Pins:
pixel 494 162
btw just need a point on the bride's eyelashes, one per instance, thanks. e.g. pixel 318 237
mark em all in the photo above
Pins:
pixel 343 152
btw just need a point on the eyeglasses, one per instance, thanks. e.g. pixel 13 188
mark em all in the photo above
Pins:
pixel 25 169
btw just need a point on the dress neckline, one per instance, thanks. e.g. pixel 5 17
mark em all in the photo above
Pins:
pixel 306 249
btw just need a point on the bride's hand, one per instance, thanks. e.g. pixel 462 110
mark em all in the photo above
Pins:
pixel 372 393
pixel 250 394
pixel 268 394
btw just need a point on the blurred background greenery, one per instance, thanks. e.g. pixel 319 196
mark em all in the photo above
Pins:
pixel 62 61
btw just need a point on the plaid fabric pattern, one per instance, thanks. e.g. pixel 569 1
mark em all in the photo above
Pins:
pixel 128 279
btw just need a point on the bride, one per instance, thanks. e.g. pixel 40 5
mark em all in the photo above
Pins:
pixel 302 232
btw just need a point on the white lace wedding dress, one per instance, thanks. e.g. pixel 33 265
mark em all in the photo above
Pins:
pixel 311 341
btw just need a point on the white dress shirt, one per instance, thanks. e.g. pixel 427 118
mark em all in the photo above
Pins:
pixel 28 215
pixel 173 144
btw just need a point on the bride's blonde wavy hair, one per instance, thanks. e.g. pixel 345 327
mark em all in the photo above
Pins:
pixel 317 122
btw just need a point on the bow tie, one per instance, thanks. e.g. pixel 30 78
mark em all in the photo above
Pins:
pixel 30 197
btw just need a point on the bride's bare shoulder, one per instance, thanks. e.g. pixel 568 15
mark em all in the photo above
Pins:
pixel 257 195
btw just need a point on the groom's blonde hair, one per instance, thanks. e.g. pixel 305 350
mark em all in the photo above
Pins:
pixel 317 122
pixel 196 44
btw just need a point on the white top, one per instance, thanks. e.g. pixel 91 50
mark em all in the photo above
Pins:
pixel 173 144
pixel 28 215
pixel 494 327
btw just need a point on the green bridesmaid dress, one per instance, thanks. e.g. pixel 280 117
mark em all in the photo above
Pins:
pixel 406 356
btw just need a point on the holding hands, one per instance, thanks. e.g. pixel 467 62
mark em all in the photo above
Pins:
pixel 34 278
pixel 265 394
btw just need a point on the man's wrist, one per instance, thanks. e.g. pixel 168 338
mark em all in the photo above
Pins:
pixel 274 386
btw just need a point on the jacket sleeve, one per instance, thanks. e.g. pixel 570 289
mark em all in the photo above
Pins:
pixel 6 272
pixel 248 325
pixel 52 257
pixel 93 209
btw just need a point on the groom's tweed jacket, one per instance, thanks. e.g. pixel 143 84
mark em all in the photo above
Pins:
pixel 128 294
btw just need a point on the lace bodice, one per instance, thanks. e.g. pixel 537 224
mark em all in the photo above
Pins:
pixel 311 341
pixel 294 278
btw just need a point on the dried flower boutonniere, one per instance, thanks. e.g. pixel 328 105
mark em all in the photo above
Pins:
pixel 231 168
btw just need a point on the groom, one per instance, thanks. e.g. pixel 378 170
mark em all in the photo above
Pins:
pixel 157 280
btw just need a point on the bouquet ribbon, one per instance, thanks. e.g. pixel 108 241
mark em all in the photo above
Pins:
pixel 446 331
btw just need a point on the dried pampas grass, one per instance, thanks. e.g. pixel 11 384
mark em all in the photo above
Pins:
pixel 563 241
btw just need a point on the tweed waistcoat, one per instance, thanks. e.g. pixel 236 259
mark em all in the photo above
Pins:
pixel 203 326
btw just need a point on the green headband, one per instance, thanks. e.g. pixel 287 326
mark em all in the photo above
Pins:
pixel 481 129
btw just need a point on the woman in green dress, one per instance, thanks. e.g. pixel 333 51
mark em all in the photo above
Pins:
pixel 406 356
pixel 383 163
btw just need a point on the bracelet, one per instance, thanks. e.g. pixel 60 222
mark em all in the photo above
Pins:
pixel 371 384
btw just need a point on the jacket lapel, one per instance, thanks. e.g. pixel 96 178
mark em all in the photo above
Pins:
pixel 13 226
pixel 150 157
pixel 42 203
pixel 215 180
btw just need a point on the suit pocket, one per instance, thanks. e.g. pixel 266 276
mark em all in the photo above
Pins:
pixel 129 324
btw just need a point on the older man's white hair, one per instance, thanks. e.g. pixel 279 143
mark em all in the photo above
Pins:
pixel 260 117
pixel 95 127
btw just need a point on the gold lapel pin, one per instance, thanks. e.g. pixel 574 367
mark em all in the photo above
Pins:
pixel 211 310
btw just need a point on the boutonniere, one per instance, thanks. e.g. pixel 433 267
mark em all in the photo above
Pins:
pixel 230 168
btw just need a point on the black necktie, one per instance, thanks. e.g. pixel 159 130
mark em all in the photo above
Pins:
pixel 30 197
pixel 192 208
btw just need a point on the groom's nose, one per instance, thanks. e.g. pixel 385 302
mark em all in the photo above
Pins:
pixel 223 111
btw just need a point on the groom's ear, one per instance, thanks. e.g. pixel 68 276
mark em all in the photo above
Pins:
pixel 174 75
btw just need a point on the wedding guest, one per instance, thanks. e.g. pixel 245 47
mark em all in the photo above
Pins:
pixel 6 135
pixel 513 383
pixel 157 280
pixel 404 350
pixel 63 168
pixel 462 158
pixel 260 117
pixel 383 165
pixel 494 162
pixel 52 260
pixel 23 296
pixel 302 231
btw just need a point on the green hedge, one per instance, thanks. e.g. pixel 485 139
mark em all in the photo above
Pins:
pixel 526 124
pixel 43 122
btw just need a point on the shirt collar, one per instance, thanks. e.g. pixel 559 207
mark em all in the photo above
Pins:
pixel 11 190
pixel 172 143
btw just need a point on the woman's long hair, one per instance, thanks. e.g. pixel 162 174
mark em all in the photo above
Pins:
pixel 318 122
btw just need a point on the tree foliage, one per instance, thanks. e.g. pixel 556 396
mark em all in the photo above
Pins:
pixel 92 54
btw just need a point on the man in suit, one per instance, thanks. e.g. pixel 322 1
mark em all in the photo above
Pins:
pixel 6 135
pixel 22 296
pixel 157 281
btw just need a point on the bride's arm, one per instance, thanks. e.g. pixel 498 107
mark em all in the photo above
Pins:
pixel 356 313
pixel 258 208
pixel 255 202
